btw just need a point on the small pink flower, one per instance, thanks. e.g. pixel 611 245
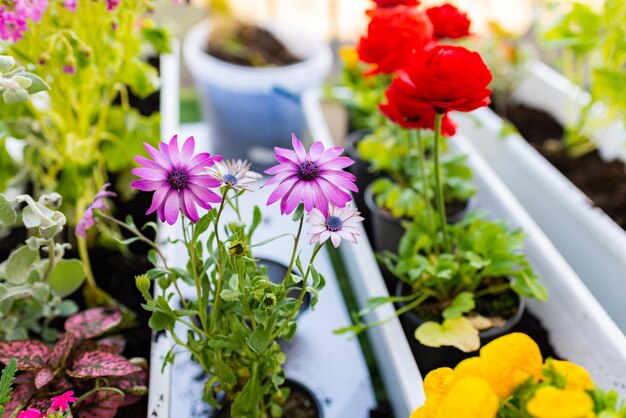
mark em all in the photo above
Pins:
pixel 31 413
pixel 177 179
pixel 112 4
pixel 337 224
pixel 69 69
pixel 12 25
pixel 62 402
pixel 31 9
pixel 315 178
pixel 70 5
pixel 87 221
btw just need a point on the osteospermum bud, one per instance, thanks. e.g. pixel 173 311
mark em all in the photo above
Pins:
pixel 43 58
pixel 237 249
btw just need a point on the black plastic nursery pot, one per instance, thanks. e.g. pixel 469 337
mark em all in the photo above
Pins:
pixel 276 273
pixel 387 230
pixel 430 358
pixel 301 403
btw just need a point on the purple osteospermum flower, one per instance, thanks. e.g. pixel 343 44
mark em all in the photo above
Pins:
pixel 338 224
pixel 177 179
pixel 87 221
pixel 315 178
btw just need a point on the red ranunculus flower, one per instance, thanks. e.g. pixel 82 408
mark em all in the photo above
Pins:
pixel 446 78
pixel 393 35
pixel 392 3
pixel 448 22
pixel 402 110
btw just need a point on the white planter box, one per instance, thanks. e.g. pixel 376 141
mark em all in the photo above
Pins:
pixel 580 330
pixel 592 243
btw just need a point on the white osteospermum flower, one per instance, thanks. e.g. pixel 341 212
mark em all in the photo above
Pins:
pixel 340 223
pixel 235 174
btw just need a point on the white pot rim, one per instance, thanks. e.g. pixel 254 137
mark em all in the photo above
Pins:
pixel 315 65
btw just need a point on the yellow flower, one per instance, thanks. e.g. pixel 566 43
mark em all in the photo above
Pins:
pixel 349 56
pixel 470 397
pixel 504 363
pixel 437 382
pixel 576 376
pixel 551 402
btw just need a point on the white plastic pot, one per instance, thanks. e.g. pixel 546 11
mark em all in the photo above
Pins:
pixel 591 242
pixel 254 108
pixel 580 330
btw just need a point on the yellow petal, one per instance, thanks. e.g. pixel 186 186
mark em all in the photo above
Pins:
pixel 505 363
pixel 349 56
pixel 470 397
pixel 576 376
pixel 551 402
pixel 437 382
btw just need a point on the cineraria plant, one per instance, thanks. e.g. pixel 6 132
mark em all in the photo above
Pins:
pixel 450 269
pixel 233 325
pixel 511 380
pixel 82 360
pixel 35 278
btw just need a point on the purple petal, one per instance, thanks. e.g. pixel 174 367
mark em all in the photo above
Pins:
pixel 279 168
pixel 335 239
pixel 150 173
pixel 330 154
pixel 340 181
pixel 188 148
pixel 174 151
pixel 321 201
pixel 286 155
pixel 157 199
pixel 158 157
pixel 147 185
pixel 337 197
pixel 188 205
pixel 340 173
pixel 281 190
pixel 165 151
pixel 148 163
pixel 293 198
pixel 298 148
pixel 204 196
pixel 337 163
pixel 199 162
pixel 316 150
pixel 204 181
pixel 171 207
pixel 308 195
pixel 279 178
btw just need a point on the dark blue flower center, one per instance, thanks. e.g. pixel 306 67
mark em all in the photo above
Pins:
pixel 230 179
pixel 308 170
pixel 333 224
pixel 178 179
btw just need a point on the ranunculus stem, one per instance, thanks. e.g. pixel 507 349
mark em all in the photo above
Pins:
pixel 441 205
pixel 416 138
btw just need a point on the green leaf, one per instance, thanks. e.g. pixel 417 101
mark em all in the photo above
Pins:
pixel 457 332
pixel 19 264
pixel 141 77
pixel 66 277
pixel 37 83
pixel 260 338
pixel 233 282
pixel 246 404
pixel 15 96
pixel 225 373
pixel 201 226
pixel 8 216
pixel 462 303
pixel 298 213
pixel 6 383
pixel 6 63
pixel 256 220
pixel 160 321
pixel 159 38
pixel 527 284
pixel 230 295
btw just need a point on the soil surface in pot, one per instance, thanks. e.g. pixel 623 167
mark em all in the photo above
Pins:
pixel 299 404
pixel 603 182
pixel 248 45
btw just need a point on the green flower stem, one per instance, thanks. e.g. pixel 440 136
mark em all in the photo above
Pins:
pixel 147 241
pixel 416 138
pixel 220 280
pixel 441 205
pixel 296 240
pixel 303 290
pixel 406 308
pixel 194 269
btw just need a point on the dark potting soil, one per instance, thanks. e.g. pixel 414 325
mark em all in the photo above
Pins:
pixel 299 404
pixel 603 182
pixel 248 45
